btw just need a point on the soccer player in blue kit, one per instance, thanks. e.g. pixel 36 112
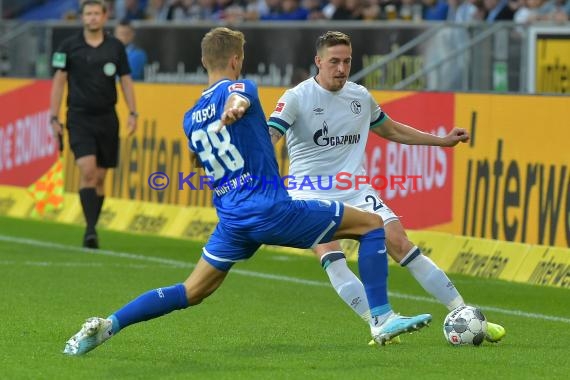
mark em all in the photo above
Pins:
pixel 227 131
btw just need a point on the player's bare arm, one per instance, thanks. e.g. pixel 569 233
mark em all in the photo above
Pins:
pixel 275 135
pixel 129 95
pixel 235 108
pixel 56 96
pixel 404 134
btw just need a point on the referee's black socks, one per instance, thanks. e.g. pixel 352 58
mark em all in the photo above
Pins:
pixel 100 200
pixel 90 204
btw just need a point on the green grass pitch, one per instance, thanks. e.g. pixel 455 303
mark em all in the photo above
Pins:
pixel 274 317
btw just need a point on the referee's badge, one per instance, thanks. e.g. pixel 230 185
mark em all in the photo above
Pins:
pixel 58 60
pixel 110 69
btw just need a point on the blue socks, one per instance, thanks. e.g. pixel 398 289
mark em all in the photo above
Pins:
pixel 373 268
pixel 372 265
pixel 149 305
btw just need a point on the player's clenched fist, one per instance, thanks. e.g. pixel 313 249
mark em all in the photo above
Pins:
pixel 455 136
pixel 231 115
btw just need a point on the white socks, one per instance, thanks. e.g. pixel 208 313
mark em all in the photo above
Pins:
pixel 346 283
pixel 432 278
pixel 425 271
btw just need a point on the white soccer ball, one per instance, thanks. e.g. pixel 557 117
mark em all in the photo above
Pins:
pixel 465 325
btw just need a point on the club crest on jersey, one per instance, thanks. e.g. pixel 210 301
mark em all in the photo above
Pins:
pixel 322 138
pixel 110 69
pixel 279 107
pixel 355 107
pixel 237 87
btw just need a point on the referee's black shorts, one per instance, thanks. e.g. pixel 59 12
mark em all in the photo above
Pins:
pixel 94 133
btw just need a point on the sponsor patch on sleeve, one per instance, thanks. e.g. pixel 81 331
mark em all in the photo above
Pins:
pixel 237 87
pixel 279 107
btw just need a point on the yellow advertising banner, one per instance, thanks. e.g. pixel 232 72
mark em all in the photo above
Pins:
pixel 508 258
pixel 512 180
pixel 548 59
pixel 546 266
pixel 194 223
pixel 553 65
pixel 472 256
pixel 434 245
pixel 15 202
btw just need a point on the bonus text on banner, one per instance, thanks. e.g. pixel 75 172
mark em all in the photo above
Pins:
pixel 433 166
pixel 27 145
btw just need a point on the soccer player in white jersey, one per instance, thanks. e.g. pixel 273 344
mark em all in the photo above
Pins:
pixel 326 120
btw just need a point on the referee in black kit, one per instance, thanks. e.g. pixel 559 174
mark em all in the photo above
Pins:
pixel 90 63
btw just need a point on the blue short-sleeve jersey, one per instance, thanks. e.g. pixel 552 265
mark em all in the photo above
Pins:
pixel 239 159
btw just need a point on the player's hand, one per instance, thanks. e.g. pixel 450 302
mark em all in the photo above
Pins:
pixel 230 116
pixel 57 127
pixel 456 136
pixel 132 124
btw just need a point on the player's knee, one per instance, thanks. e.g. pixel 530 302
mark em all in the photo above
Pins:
pixel 192 301
pixel 368 222
pixel 196 297
pixel 100 185
pixel 197 294
pixel 89 178
pixel 398 245
pixel 373 221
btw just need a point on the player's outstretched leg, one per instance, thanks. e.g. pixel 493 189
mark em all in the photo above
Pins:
pixel 347 285
pixel 152 304
pixel 385 325
pixel 373 268
pixel 202 282
pixel 94 332
pixel 429 275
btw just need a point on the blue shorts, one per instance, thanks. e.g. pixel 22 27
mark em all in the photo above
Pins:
pixel 291 223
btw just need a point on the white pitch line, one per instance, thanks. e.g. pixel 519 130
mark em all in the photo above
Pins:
pixel 267 276
pixel 76 264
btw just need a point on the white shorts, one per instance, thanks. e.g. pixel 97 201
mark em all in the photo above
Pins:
pixel 367 199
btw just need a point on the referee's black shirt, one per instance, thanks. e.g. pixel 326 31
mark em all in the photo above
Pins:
pixel 91 71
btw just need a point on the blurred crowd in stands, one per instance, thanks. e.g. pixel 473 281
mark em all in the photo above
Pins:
pixel 182 11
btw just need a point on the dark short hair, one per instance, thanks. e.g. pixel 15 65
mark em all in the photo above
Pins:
pixel 332 38
pixel 101 3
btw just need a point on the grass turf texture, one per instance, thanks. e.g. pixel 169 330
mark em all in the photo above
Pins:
pixel 274 317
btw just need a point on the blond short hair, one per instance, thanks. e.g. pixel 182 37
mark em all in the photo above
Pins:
pixel 219 45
